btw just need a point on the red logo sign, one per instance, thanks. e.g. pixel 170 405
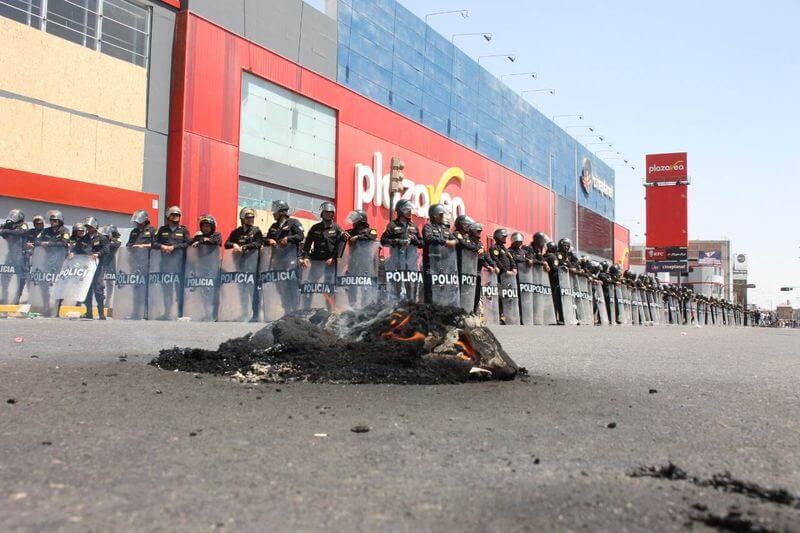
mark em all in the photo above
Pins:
pixel 666 167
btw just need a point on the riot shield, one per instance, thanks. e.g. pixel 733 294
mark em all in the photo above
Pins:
pixel 317 283
pixel 509 298
pixel 357 276
pixel 580 287
pixel 587 298
pixel 648 318
pixel 12 268
pixel 701 314
pixel 279 281
pixel 543 308
pixel 636 302
pixel 527 290
pixel 442 275
pixel 201 278
pixel 620 301
pixel 165 285
pixel 45 265
pixel 567 298
pixel 237 286
pixel 403 275
pixel 130 284
pixel 649 296
pixel 110 275
pixel 468 279
pixel 490 298
pixel 600 303
pixel 74 279
pixel 576 298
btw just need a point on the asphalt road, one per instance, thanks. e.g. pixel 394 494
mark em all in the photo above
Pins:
pixel 93 442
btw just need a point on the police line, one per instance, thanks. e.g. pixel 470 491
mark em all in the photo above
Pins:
pixel 209 284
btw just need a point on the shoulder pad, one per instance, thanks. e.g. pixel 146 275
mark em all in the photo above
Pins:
pixel 24 225
pixel 198 234
pixel 373 232
pixel 495 252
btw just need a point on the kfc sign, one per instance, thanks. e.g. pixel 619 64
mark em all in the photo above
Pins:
pixel 372 186
pixel 666 168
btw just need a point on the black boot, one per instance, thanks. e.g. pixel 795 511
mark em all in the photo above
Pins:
pixel 89 310
pixel 101 310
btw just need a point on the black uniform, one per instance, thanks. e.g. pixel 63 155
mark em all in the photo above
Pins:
pixel 399 233
pixel 502 258
pixel 53 237
pixel 33 233
pixel 323 241
pixel 363 232
pixel 15 234
pixel 248 237
pixel 145 235
pixel 207 239
pixel 290 228
pixel 520 255
pixel 435 235
pixel 88 245
pixel 177 236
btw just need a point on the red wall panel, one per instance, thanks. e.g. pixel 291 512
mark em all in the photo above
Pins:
pixel 204 128
pixel 622 246
pixel 667 216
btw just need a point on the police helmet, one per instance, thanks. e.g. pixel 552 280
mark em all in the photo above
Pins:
pixel 327 207
pixel 279 206
pixel 613 270
pixel 140 217
pixel 38 218
pixel 90 222
pixel 475 228
pixel 247 212
pixel 55 214
pixel 604 266
pixel 517 237
pixel 551 247
pixel 565 245
pixel 210 219
pixel 539 241
pixel 500 234
pixel 593 266
pixel 174 210
pixel 435 210
pixel 404 207
pixel 463 222
pixel 79 226
pixel 359 216
pixel 15 215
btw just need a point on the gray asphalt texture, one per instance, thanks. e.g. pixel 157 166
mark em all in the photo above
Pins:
pixel 95 442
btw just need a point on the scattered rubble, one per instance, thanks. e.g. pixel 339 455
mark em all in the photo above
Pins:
pixel 410 344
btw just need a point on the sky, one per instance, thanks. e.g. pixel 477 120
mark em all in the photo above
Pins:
pixel 717 79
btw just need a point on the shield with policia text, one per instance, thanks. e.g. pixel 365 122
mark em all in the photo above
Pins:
pixel 357 276
pixel 12 268
pixel 600 303
pixel 237 286
pixel 527 290
pixel 110 275
pixel 619 298
pixel 648 318
pixel 403 274
pixel 317 285
pixel 509 298
pixel 200 282
pixel 74 279
pixel 130 283
pixel 165 285
pixel 544 312
pixel 567 298
pixel 468 279
pixel 45 265
pixel 489 305
pixel 280 288
pixel 442 275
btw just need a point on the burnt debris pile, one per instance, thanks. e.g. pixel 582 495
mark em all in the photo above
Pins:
pixel 411 343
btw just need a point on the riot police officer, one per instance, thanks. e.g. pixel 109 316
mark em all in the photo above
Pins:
pixel 566 255
pixel 172 235
pixel 435 234
pixel 56 235
pixel 208 234
pixel 324 238
pixel 519 252
pixel 88 241
pixel 401 232
pixel 285 230
pixel 360 229
pixel 15 232
pixel 500 254
pixel 38 227
pixel 247 236
pixel 143 234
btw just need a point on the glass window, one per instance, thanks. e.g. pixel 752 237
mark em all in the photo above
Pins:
pixel 119 28
pixel 25 11
pixel 260 196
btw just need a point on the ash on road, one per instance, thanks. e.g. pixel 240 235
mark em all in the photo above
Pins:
pixel 95 441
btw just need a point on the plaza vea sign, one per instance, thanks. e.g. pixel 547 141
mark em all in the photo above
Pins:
pixel 666 167
pixel 372 187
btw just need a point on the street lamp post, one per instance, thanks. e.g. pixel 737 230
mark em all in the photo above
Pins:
pixel 510 57
pixel 531 74
pixel 463 12
pixel 486 35
pixel 579 116
pixel 590 128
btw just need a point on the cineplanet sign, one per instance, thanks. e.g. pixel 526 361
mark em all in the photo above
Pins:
pixel 372 187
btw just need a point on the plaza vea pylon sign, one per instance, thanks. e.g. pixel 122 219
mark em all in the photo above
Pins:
pixel 372 187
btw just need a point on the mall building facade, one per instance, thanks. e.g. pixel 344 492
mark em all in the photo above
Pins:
pixel 107 106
